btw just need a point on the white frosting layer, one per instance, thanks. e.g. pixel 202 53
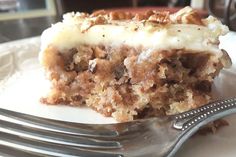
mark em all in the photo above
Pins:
pixel 67 34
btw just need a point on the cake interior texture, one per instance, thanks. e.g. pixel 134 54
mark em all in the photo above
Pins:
pixel 129 82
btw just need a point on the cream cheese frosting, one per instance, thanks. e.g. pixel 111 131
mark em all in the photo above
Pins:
pixel 67 34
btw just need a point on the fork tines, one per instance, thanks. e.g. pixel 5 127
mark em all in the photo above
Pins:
pixel 33 136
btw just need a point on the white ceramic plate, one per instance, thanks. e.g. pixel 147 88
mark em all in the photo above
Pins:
pixel 22 83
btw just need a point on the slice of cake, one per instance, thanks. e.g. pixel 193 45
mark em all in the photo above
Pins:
pixel 132 66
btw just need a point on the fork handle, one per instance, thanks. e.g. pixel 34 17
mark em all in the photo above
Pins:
pixel 194 119
pixel 189 122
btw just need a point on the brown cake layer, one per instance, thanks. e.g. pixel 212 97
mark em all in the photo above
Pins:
pixel 117 82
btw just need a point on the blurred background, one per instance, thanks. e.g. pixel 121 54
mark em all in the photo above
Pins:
pixel 26 18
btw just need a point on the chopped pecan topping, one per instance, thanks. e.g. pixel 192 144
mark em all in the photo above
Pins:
pixel 186 15
pixel 139 17
pixel 97 13
pixel 193 18
pixel 120 15
pixel 128 15
pixel 160 17
pixel 149 13
pixel 114 16
pixel 88 23
pixel 100 20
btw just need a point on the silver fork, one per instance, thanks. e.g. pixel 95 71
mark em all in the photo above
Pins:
pixel 25 135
